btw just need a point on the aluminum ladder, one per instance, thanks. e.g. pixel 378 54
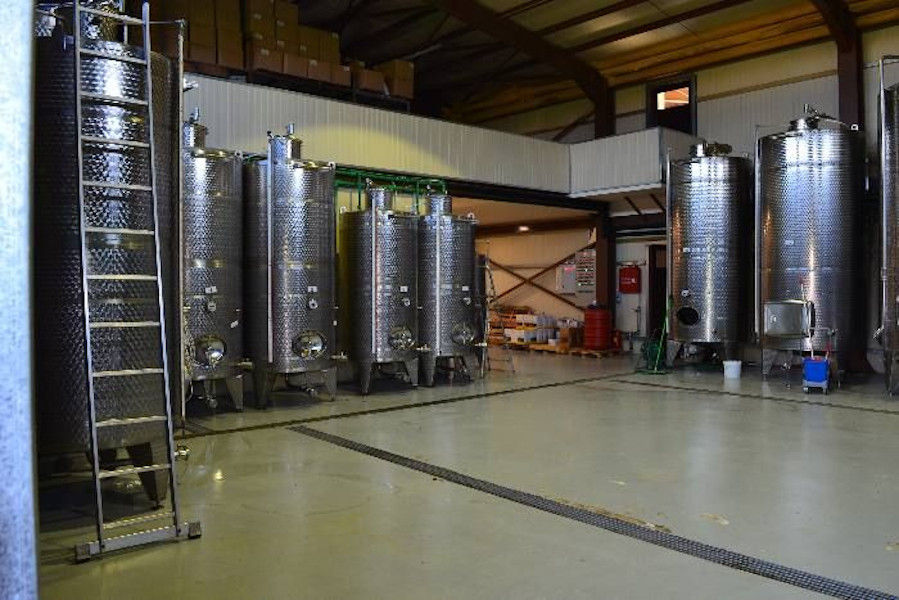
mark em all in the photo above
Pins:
pixel 164 523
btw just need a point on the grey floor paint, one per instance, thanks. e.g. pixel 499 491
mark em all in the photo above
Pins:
pixel 286 516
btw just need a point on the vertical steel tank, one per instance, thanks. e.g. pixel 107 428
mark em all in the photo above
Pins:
pixel 709 208
pixel 889 162
pixel 809 184
pixel 447 324
pixel 60 373
pixel 379 287
pixel 211 264
pixel 290 268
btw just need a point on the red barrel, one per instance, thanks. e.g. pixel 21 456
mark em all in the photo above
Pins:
pixel 597 328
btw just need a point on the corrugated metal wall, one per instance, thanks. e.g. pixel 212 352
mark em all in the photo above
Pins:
pixel 239 115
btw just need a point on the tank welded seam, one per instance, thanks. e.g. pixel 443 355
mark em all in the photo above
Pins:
pixel 882 411
pixel 657 537
pixel 385 409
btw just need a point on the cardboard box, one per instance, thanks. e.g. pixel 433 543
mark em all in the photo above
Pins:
pixel 329 47
pixel 201 35
pixel 296 65
pixel 288 32
pixel 309 37
pixel 397 69
pixel 227 15
pixel 229 48
pixel 341 75
pixel 261 7
pixel 401 88
pixel 202 12
pixel 319 70
pixel 201 54
pixel 261 58
pixel 287 12
pixel 258 26
pixel 368 79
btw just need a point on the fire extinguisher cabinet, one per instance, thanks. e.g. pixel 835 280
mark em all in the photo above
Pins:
pixel 629 279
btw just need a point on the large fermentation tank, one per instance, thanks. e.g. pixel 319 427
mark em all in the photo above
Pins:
pixel 809 185
pixel 890 205
pixel 60 368
pixel 447 325
pixel 379 297
pixel 211 266
pixel 290 268
pixel 709 208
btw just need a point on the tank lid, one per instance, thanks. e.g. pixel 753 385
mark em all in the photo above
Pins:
pixel 379 198
pixel 438 204
pixel 193 133
pixel 294 143
pixel 815 120
pixel 705 148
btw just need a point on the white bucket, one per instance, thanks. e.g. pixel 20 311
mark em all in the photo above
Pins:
pixel 733 369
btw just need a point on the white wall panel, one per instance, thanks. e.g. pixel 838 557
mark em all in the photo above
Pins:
pixel 238 116
pixel 739 120
pixel 626 161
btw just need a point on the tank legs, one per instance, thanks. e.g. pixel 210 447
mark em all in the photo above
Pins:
pixel 412 370
pixel 156 483
pixel 235 390
pixel 263 382
pixel 428 367
pixel 365 377
pixel 471 364
pixel 329 379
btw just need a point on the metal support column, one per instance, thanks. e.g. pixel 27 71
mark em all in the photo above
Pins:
pixel 18 557
pixel 605 261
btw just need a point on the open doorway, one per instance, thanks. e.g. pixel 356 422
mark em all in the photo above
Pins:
pixel 672 104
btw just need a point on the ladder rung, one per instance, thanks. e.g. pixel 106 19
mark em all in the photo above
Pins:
pixel 106 474
pixel 128 372
pixel 118 186
pixel 120 231
pixel 117 99
pixel 131 421
pixel 138 520
pixel 111 56
pixel 102 140
pixel 113 16
pixel 124 324
pixel 122 277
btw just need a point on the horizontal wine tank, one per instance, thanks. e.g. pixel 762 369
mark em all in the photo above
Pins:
pixel 290 267
pixel 810 182
pixel 709 207
pixel 211 263
pixel 379 299
pixel 446 286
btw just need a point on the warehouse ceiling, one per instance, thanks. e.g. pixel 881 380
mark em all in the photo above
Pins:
pixel 474 66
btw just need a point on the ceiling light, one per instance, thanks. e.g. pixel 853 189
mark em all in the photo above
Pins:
pixel 523 228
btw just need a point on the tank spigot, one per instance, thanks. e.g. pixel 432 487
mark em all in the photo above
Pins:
pixel 195 115
pixel 182 453
pixel 291 127
pixel 342 357
pixel 424 348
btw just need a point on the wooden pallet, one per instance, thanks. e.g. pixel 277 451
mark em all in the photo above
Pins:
pixel 551 348
pixel 594 353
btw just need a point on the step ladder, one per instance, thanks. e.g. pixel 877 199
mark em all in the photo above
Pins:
pixel 502 358
pixel 163 523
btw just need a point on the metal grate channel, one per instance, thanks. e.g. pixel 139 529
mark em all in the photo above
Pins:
pixel 721 556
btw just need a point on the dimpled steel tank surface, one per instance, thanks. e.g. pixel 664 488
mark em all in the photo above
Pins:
pixel 447 325
pixel 212 266
pixel 709 207
pixel 810 183
pixel 890 182
pixel 60 369
pixel 378 264
pixel 290 269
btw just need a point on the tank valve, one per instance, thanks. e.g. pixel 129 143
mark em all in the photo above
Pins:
pixel 182 452
pixel 342 357
pixel 313 304
pixel 424 348
pixel 211 306
pixel 407 302
pixel 466 301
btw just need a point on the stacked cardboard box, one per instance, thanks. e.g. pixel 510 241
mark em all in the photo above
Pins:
pixel 199 44
pixel 228 35
pixel 367 79
pixel 261 49
pixel 287 39
pixel 400 77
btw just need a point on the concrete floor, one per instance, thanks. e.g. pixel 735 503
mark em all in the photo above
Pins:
pixel 752 467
